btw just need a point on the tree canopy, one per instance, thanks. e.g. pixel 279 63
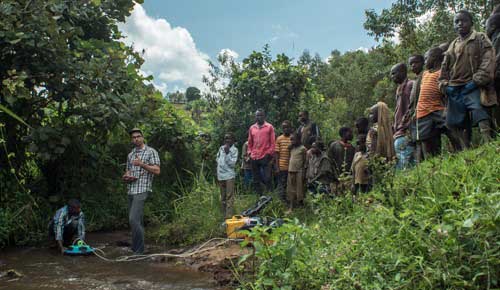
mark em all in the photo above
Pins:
pixel 65 72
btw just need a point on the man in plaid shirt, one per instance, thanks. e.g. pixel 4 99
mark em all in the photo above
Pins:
pixel 142 164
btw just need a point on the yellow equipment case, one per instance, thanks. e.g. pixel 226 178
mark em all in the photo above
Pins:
pixel 233 225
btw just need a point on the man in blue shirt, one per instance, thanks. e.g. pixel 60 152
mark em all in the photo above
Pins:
pixel 67 225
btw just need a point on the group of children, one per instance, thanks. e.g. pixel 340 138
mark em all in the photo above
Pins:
pixel 457 87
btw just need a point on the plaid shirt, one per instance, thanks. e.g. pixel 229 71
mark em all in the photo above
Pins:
pixel 62 219
pixel 144 181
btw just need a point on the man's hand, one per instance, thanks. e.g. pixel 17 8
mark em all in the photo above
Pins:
pixel 126 175
pixel 270 158
pixel 61 247
pixel 226 148
pixel 450 91
pixel 137 161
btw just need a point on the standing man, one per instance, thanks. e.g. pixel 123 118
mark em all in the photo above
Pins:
pixel 467 77
pixel 226 161
pixel 402 145
pixel 142 164
pixel 308 131
pixel 283 157
pixel 261 146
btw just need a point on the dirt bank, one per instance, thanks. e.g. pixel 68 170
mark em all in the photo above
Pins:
pixel 219 261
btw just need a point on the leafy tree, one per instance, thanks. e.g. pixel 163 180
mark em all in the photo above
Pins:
pixel 274 85
pixel 316 67
pixel 352 78
pixel 192 94
pixel 237 90
pixel 404 20
pixel 177 97
pixel 219 77
pixel 65 71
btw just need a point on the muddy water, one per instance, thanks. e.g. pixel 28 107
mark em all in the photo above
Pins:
pixel 42 268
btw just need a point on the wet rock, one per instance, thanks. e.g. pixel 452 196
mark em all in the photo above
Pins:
pixel 10 274
pixel 119 282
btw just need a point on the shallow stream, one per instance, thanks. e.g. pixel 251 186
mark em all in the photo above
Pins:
pixel 43 268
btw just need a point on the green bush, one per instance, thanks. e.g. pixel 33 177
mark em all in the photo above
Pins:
pixel 435 227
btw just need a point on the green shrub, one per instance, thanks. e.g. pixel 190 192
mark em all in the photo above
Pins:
pixel 435 227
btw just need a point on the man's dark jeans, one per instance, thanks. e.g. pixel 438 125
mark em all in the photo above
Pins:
pixel 261 171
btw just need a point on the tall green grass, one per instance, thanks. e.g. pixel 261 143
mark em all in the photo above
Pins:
pixel 196 213
pixel 434 227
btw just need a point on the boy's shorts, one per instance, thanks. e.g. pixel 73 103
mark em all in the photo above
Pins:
pixel 459 105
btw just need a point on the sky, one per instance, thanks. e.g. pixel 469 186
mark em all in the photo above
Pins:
pixel 180 37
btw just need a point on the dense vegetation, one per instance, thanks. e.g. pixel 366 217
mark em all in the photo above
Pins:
pixel 70 89
pixel 77 89
pixel 436 227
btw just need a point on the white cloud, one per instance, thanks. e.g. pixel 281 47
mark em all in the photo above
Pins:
pixel 170 53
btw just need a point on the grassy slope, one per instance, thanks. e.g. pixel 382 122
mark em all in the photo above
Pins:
pixel 435 227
